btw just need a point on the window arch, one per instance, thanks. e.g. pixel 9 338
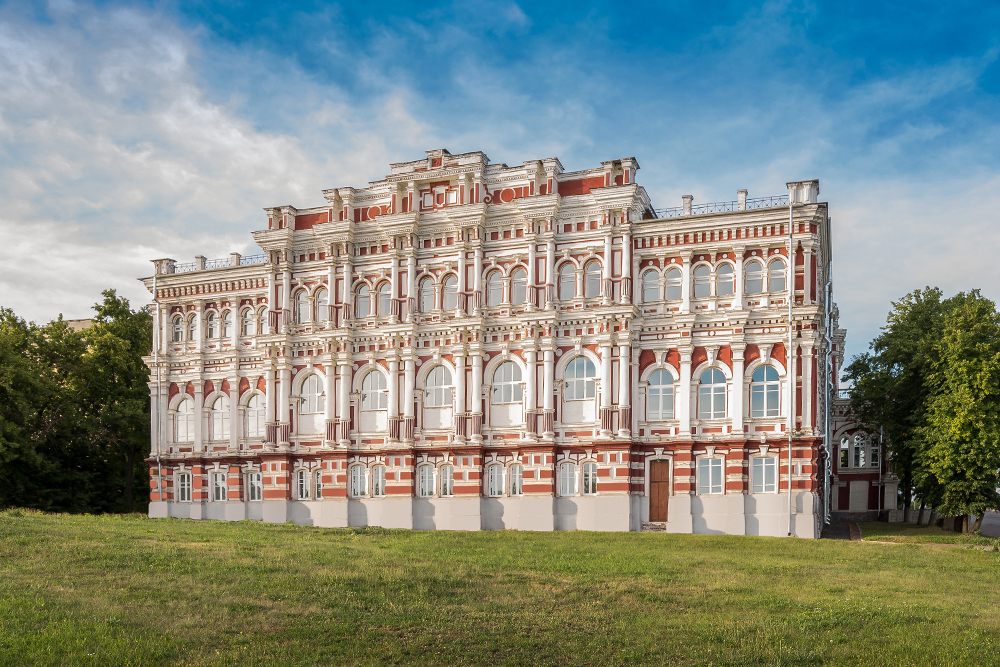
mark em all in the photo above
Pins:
pixel 373 392
pixel 507 383
pixel 193 328
pixel 184 421
pixel 592 279
pixel 359 481
pixel 494 478
pixel 449 296
pixel 725 280
pixel 312 395
pixel 712 395
pixel 211 328
pixel 567 282
pixel 322 305
pixel 518 286
pixel 776 276
pixel 220 419
pixel 589 478
pixel 363 302
pixel 702 281
pixel 755 277
pixel 650 286
pixel 438 388
pixel 660 396
pixel 301 307
pixel 263 325
pixel 255 417
pixel 579 379
pixel 247 322
pixel 765 392
pixel 567 479
pixel 494 289
pixel 385 299
pixel 674 284
pixel 426 295
pixel 178 327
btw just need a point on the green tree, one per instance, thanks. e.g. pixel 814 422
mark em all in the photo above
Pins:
pixel 961 439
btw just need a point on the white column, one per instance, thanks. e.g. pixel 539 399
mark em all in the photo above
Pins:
pixel 348 293
pixel 270 405
pixel 806 274
pixel 738 297
pixel 199 415
pixel 606 291
pixel 624 390
pixel 462 275
pixel 532 272
pixel 807 388
pixel 684 395
pixel 736 398
pixel 477 280
pixel 166 329
pixel 530 391
pixel 409 384
pixel 411 282
pixel 393 396
pixel 284 395
pixel 329 405
pixel 331 292
pixel 550 275
pixel 459 413
pixel 272 295
pixel 548 392
pixel 286 294
pixel 476 400
pixel 234 412
pixel 627 288
pixel 394 307
pixel 606 390
pixel 344 394
pixel 200 326
pixel 686 283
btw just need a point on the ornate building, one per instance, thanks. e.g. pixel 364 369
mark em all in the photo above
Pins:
pixel 467 345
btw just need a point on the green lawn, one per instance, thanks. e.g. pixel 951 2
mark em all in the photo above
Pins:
pixel 83 590
pixel 875 531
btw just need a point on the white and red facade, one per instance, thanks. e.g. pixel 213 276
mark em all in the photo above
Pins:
pixel 467 345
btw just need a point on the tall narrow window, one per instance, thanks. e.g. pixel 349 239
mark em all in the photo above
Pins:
pixel 184 487
pixel 263 327
pixel 755 278
pixel 385 299
pixel 218 486
pixel 255 486
pixel 363 302
pixel 660 396
pixel 248 322
pixel 425 479
pixel 378 481
pixel 227 324
pixel 776 276
pixel 709 476
pixel 192 328
pixel 712 395
pixel 178 329
pixel 211 326
pixel 507 383
pixel 220 419
pixel 449 296
pixel 579 380
pixel 592 280
pixel 702 281
pixel 438 388
pixel 426 295
pixel 567 479
pixel 567 282
pixel 322 305
pixel 302 485
pixel 650 286
pixel 494 289
pixel 765 392
pixel 184 421
pixel 447 480
pixel 319 485
pixel 724 280
pixel 859 450
pixel 312 395
pixel 845 452
pixel 495 480
pixel 874 452
pixel 589 478
pixel 301 307
pixel 765 475
pixel 674 284
pixel 358 482
pixel 516 473
pixel 518 287
pixel 373 392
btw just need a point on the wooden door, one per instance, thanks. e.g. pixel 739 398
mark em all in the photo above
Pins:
pixel 659 490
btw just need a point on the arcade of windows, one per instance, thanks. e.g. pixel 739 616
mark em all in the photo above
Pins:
pixel 756 280
pixel 712 475
pixel 861 451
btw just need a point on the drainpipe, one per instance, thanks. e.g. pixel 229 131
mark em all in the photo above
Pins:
pixel 791 353
pixel 828 467
pixel 156 362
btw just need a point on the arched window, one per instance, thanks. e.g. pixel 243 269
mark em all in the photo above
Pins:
pixel 724 280
pixel 567 479
pixel 192 328
pixel 426 304
pixel 373 396
pixel 507 383
pixel 567 282
pixel 518 287
pixel 385 299
pixel 363 302
pixel 322 305
pixel 312 395
pixel 184 421
pixel 302 485
pixel 589 478
pixel 447 480
pixel 755 278
pixel 449 297
pixel 211 328
pixel 765 390
pixel 220 418
pixel 263 326
pixel 301 307
pixel 592 280
pixel 494 478
pixel 579 379
pixel 178 329
pixel 712 395
pixel 425 481
pixel 378 481
pixel 660 396
pixel 494 289
pixel 227 324
pixel 674 284
pixel 650 286
pixel 358 482
pixel 702 281
pixel 255 416
pixel 516 474
pixel 438 388
pixel 859 450
pixel 776 276
pixel 845 451
pixel 319 484
pixel 247 322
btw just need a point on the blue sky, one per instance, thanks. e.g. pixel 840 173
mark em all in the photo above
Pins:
pixel 130 131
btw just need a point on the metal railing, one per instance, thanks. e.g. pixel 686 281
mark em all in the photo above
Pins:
pixel 717 207
pixel 253 259
pixel 182 268
pixel 767 202
pixel 722 207
pixel 217 263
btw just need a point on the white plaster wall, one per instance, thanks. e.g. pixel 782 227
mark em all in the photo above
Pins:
pixel 603 513
pixel 456 513
pixel 679 514
pixel 159 509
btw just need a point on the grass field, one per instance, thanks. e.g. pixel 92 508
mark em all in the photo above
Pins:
pixel 905 532
pixel 84 590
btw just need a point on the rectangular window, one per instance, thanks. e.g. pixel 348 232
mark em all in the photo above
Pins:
pixel 426 480
pixel 495 481
pixel 319 484
pixel 709 476
pixel 302 485
pixel 447 480
pixel 378 481
pixel 358 485
pixel 567 479
pixel 589 478
pixel 218 486
pixel 255 488
pixel 516 480
pixel 184 487
pixel 765 475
